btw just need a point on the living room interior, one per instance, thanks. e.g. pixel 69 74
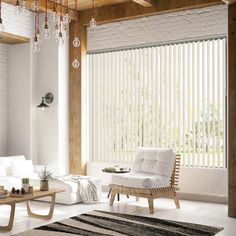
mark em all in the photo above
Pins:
pixel 112 111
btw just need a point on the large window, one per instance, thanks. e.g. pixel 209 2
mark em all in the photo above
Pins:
pixel 160 96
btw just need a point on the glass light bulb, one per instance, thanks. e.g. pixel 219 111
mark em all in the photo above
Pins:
pixel 56 32
pixel 35 6
pixel 35 46
pixel 60 40
pixel 23 6
pixel 17 9
pixel 53 16
pixel 39 39
pixel 76 42
pixel 2 28
pixel 66 18
pixel 75 63
pixel 46 31
pixel 93 23
pixel 42 109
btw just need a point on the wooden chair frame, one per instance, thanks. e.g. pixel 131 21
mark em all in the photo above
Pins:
pixel 152 193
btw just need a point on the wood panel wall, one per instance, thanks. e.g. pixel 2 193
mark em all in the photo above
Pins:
pixel 77 163
pixel 232 110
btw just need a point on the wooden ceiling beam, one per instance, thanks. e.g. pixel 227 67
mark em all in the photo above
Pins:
pixel 144 3
pixel 12 38
pixel 130 10
pixel 229 1
pixel 42 8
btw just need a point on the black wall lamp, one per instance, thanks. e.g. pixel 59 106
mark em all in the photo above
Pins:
pixel 47 99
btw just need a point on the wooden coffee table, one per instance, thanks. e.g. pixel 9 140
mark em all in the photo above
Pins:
pixel 11 201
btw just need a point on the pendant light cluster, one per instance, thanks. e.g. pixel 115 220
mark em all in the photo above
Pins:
pixel 61 23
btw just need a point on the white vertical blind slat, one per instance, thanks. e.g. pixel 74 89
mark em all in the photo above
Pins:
pixel 161 96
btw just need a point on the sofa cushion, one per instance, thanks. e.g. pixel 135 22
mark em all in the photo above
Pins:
pixel 23 168
pixel 2 171
pixel 159 161
pixel 140 180
pixel 7 161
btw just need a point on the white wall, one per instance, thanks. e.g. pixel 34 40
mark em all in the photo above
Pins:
pixel 19 100
pixel 3 99
pixel 52 137
pixel 177 26
pixel 23 26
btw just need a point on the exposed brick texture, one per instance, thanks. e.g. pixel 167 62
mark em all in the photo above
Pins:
pixel 177 26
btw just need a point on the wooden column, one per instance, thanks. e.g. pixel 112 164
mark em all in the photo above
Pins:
pixel 77 164
pixel 232 109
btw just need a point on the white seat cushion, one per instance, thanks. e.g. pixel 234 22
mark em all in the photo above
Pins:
pixel 159 161
pixel 140 180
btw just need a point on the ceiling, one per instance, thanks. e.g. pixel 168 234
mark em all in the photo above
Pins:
pixel 88 4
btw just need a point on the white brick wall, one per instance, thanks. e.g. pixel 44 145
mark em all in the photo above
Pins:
pixel 22 25
pixel 198 23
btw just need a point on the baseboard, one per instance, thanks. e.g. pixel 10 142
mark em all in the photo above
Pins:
pixel 203 198
pixel 192 197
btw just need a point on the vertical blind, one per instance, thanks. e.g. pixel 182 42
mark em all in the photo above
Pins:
pixel 159 96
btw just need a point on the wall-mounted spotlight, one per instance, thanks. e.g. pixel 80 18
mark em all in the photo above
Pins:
pixel 47 99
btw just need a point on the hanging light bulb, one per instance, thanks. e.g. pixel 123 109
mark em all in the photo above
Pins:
pixel 35 5
pixel 39 39
pixel 67 18
pixel 46 28
pixel 60 40
pixel 56 32
pixel 23 6
pixel 46 31
pixel 53 16
pixel 75 63
pixel 93 23
pixel 17 8
pixel 35 45
pixel 2 28
pixel 65 32
pixel 76 42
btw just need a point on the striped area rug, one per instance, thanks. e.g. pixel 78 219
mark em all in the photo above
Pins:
pixel 107 223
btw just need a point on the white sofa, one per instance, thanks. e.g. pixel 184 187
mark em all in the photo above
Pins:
pixel 14 168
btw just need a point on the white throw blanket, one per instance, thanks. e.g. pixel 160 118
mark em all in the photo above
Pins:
pixel 87 189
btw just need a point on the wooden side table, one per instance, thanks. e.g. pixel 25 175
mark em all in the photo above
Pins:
pixel 116 172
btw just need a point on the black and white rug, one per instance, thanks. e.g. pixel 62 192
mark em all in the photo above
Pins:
pixel 107 223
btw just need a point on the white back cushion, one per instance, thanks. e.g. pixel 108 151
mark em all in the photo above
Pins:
pixel 159 161
pixel 7 161
pixel 2 171
pixel 22 168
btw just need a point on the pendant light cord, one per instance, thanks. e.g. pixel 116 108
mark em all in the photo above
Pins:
pixel 1 9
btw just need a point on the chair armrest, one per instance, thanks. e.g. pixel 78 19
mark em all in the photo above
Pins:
pixel 54 169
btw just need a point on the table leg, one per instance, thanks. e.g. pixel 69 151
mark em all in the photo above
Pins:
pixel 109 193
pixel 44 217
pixel 11 219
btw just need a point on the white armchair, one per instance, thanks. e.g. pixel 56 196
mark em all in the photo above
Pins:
pixel 154 174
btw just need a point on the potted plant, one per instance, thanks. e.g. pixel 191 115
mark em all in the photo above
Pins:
pixel 25 184
pixel 45 175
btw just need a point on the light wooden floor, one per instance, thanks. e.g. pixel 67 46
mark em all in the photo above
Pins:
pixel 191 211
